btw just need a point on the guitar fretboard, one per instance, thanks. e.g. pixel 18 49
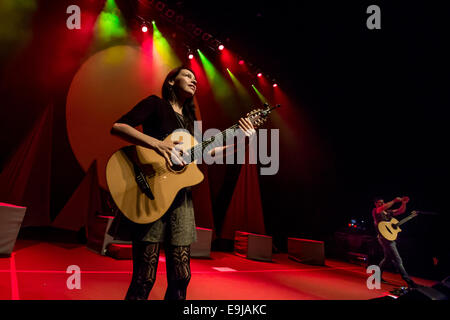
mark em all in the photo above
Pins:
pixel 196 151
pixel 406 219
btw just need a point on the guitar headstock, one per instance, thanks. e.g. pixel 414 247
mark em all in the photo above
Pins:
pixel 258 116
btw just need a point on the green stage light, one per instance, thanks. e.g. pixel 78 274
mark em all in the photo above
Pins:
pixel 162 48
pixel 110 25
pixel 242 92
pixel 220 87
pixel 260 96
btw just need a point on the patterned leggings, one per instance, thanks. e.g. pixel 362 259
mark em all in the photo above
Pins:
pixel 145 263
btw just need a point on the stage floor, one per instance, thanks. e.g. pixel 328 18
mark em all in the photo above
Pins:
pixel 37 271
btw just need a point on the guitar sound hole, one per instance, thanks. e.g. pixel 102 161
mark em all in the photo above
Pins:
pixel 388 230
pixel 177 168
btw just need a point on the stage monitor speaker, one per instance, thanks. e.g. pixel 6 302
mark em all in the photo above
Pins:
pixel 306 251
pixel 202 247
pixel 98 238
pixel 11 218
pixel 253 246
pixel 422 294
pixel 119 251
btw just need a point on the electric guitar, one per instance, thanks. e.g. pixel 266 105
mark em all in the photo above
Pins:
pixel 143 185
pixel 390 229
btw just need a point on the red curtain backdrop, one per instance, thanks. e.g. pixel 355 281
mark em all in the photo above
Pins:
pixel 201 196
pixel 245 210
pixel 84 204
pixel 202 203
pixel 43 71
pixel 25 179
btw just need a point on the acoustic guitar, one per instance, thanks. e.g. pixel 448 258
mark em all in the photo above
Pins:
pixel 143 185
pixel 390 229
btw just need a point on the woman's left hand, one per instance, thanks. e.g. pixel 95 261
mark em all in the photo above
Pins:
pixel 247 127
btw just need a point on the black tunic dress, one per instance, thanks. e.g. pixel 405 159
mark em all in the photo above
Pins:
pixel 177 225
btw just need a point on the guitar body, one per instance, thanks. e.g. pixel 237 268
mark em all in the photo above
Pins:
pixel 164 181
pixel 389 229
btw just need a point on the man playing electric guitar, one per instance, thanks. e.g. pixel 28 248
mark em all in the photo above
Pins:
pixel 382 212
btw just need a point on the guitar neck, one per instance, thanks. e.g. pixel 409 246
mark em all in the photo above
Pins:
pixel 406 219
pixel 196 152
pixel 256 117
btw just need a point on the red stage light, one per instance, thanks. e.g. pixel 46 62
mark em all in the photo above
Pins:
pixel 259 75
pixel 275 85
pixel 241 62
pixel 144 29
pixel 221 47
pixel 191 56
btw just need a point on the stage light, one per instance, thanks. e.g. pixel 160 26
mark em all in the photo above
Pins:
pixel 190 54
pixel 144 28
pixel 259 75
pixel 275 85
pixel 241 62
pixel 221 47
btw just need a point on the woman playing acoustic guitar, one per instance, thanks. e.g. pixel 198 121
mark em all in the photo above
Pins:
pixel 176 228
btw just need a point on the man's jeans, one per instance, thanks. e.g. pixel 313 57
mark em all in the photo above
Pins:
pixel 391 255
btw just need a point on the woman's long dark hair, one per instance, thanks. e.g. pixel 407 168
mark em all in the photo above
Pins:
pixel 169 95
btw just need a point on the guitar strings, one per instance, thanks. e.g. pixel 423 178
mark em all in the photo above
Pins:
pixel 194 152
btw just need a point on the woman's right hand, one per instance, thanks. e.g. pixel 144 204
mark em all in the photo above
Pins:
pixel 172 152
